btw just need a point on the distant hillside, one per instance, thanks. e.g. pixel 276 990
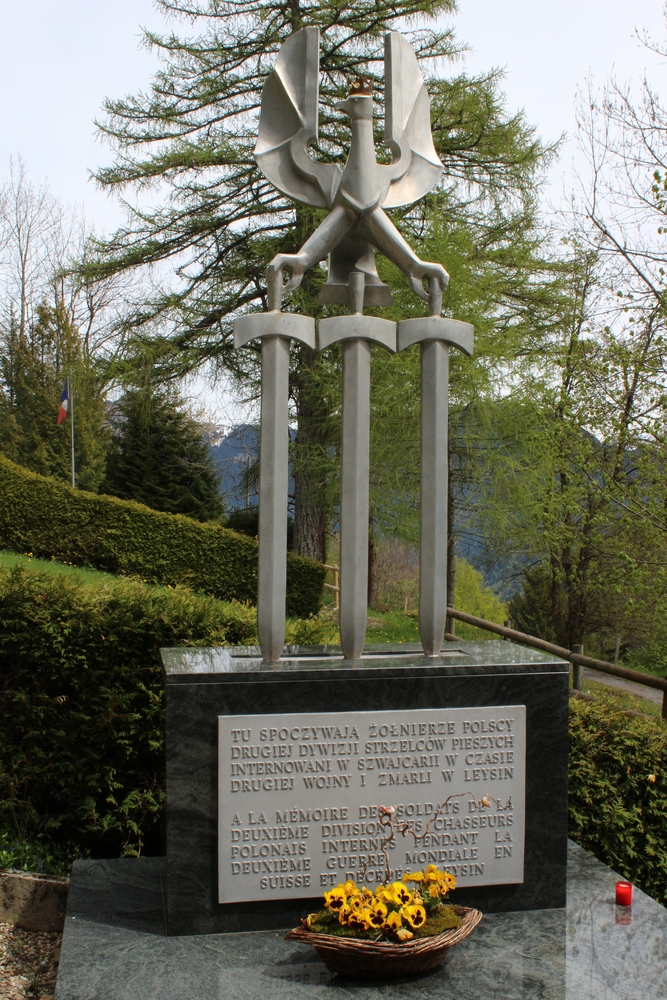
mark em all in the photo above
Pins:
pixel 235 451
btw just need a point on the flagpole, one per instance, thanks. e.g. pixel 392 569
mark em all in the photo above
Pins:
pixel 71 405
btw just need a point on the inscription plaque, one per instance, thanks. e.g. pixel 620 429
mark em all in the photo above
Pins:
pixel 301 798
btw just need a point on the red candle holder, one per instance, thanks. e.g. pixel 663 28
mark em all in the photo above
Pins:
pixel 624 893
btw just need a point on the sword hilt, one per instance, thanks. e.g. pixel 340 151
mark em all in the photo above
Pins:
pixel 434 297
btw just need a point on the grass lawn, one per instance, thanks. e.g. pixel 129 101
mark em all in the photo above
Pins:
pixel 391 626
pixel 9 560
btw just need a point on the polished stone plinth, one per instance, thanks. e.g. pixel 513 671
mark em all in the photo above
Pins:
pixel 202 684
pixel 115 948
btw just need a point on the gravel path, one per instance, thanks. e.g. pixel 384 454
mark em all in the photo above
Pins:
pixel 650 694
pixel 28 963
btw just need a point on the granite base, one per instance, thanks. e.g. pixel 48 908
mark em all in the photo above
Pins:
pixel 202 684
pixel 115 948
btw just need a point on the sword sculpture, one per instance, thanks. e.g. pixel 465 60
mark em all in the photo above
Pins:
pixel 356 224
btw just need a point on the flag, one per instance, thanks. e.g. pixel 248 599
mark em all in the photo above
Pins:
pixel 64 403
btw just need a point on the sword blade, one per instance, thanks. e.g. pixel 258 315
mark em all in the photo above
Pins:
pixel 354 496
pixel 273 473
pixel 433 515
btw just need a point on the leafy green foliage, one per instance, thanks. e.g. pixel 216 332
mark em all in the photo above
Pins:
pixel 531 608
pixel 33 368
pixel 473 597
pixel 47 518
pixel 159 457
pixel 81 744
pixel 618 792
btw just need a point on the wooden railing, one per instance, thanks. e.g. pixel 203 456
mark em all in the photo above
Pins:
pixel 659 683
pixel 335 586
pixel 576 658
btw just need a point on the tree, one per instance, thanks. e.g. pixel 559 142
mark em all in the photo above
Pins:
pixel 221 222
pixel 52 327
pixel 34 364
pixel 159 457
pixel 566 465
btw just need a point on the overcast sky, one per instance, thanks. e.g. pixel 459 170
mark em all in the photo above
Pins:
pixel 59 60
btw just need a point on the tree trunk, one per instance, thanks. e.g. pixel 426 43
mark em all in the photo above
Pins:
pixel 309 466
pixel 372 568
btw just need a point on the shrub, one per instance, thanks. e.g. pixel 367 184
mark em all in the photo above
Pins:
pixel 618 792
pixel 48 518
pixel 475 598
pixel 81 702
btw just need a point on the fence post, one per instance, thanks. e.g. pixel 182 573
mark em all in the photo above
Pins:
pixel 578 670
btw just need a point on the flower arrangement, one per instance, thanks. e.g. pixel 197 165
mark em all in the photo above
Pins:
pixel 399 911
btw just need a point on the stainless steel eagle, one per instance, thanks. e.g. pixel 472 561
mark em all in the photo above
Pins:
pixel 358 195
pixel 355 226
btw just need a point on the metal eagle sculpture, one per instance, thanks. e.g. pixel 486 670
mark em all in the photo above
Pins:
pixel 356 224
pixel 358 195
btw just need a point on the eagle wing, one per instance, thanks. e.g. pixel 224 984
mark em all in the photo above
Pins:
pixel 416 167
pixel 288 124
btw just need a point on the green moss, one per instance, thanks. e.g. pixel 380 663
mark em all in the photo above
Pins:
pixel 443 919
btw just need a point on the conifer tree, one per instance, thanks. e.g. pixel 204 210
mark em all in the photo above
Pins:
pixel 159 456
pixel 221 221
pixel 34 365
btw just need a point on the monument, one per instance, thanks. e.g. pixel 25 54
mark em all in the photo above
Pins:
pixel 356 199
pixel 291 770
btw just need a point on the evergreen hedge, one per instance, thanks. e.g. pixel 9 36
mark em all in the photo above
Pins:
pixel 81 704
pixel 618 792
pixel 82 727
pixel 47 518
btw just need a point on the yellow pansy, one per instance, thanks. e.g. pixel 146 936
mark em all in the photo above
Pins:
pixel 415 915
pixel 335 899
pixel 432 874
pixel 413 877
pixel 399 894
pixel 446 883
pixel 357 920
pixel 434 890
pixel 378 913
pixel 403 934
pixel 350 887
pixel 373 918
pixel 393 921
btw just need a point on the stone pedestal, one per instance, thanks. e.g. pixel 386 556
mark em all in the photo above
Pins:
pixel 204 684
pixel 114 948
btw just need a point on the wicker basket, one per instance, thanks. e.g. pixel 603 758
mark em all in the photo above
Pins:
pixel 356 957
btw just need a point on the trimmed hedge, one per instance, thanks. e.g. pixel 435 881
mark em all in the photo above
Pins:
pixel 47 518
pixel 81 703
pixel 618 792
pixel 82 730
